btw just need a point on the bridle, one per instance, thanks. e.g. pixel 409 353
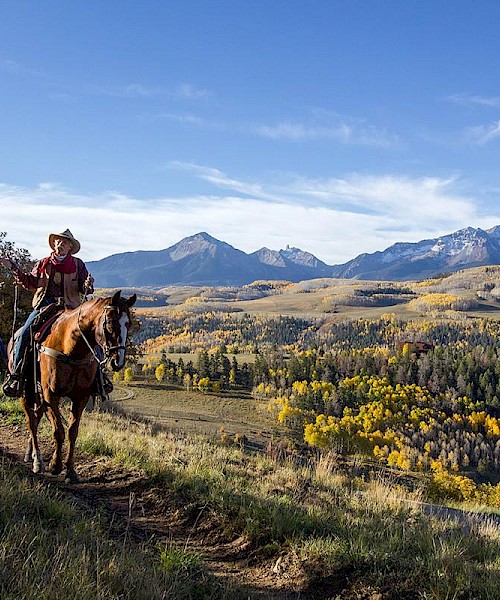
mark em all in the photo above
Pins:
pixel 107 348
pixel 105 335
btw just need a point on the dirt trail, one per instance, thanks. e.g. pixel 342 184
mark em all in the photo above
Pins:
pixel 143 513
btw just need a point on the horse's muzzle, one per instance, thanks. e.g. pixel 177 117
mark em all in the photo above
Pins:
pixel 116 355
pixel 116 365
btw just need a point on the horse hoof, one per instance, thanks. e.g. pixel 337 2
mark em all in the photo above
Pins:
pixel 55 469
pixel 38 467
pixel 71 477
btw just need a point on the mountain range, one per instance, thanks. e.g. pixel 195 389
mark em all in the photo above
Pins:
pixel 203 260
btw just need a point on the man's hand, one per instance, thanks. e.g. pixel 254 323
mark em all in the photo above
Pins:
pixel 89 283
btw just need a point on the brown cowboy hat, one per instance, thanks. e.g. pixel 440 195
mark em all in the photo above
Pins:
pixel 75 244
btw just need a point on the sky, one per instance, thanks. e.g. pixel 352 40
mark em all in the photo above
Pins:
pixel 335 126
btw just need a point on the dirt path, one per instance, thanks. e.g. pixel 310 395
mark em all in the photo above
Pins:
pixel 143 513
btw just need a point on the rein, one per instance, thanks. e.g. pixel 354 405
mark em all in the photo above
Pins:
pixel 107 349
pixel 94 355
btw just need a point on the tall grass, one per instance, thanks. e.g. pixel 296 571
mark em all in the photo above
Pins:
pixel 317 518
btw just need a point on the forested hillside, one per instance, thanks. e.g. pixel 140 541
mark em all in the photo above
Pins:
pixel 419 394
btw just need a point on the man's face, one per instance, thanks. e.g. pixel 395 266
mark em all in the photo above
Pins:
pixel 61 246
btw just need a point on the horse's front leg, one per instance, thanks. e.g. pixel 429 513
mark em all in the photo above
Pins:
pixel 54 415
pixel 33 414
pixel 78 404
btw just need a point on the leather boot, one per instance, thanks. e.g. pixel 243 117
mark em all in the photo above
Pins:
pixel 12 386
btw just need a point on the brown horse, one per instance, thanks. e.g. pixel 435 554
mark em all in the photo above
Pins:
pixel 67 368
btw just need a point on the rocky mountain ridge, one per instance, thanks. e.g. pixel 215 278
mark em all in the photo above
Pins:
pixel 203 260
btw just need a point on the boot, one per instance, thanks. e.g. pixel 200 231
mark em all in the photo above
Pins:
pixel 12 386
pixel 101 385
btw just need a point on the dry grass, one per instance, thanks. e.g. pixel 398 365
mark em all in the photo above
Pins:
pixel 314 513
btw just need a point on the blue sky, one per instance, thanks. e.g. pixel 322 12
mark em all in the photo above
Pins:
pixel 339 127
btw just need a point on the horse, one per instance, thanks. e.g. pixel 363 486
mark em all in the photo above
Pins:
pixel 68 365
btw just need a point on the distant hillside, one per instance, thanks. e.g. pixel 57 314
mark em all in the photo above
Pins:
pixel 203 260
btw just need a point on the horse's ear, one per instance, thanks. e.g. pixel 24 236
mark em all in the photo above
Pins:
pixel 116 298
pixel 131 300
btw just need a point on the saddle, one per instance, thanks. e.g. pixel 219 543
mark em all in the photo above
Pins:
pixel 40 329
pixel 42 324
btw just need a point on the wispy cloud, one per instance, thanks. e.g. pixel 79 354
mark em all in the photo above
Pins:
pixel 483 134
pixel 219 179
pixel 344 130
pixel 13 67
pixel 430 201
pixel 139 90
pixel 184 118
pixel 187 90
pixel 475 100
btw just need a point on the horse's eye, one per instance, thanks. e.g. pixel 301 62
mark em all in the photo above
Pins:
pixel 111 324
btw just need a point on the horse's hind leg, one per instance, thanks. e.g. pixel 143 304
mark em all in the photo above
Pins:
pixel 33 415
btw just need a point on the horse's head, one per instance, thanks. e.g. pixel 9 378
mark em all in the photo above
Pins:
pixel 116 324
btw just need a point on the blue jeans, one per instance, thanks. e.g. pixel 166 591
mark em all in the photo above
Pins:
pixel 23 338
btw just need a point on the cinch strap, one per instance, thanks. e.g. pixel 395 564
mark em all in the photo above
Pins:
pixel 64 357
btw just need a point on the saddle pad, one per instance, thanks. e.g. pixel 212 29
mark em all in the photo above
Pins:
pixel 43 328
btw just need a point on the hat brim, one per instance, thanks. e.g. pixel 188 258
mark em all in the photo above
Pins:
pixel 75 244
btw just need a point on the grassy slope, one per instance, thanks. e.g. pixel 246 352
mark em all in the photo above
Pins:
pixel 317 527
pixel 322 529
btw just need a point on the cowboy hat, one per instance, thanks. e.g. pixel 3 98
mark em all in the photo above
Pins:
pixel 75 244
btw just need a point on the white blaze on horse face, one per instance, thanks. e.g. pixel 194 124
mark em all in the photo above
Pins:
pixel 124 321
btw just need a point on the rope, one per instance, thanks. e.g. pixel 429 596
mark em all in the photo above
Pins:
pixel 14 318
pixel 84 297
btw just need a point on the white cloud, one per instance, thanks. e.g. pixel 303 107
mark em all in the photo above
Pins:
pixel 475 100
pixel 328 124
pixel 483 134
pixel 335 219
pixel 139 90
pixel 183 118
pixel 345 133
pixel 188 90
pixel 12 67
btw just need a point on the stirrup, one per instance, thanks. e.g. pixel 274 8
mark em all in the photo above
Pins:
pixel 107 385
pixel 12 386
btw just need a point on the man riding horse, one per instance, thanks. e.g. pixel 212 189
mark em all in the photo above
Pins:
pixel 60 278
